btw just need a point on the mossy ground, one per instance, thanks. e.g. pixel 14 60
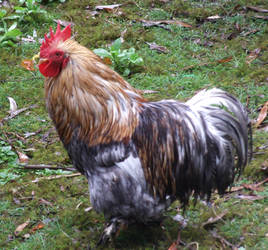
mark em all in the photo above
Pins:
pixel 66 224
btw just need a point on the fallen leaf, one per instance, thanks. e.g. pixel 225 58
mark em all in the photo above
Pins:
pixel 203 43
pixel 173 246
pixel 180 23
pixel 63 23
pixel 262 115
pixel 262 17
pixel 107 60
pixel 21 227
pixel 235 189
pixel 257 9
pixel 39 226
pixel 28 64
pixel 108 8
pixel 45 202
pixel 224 60
pixel 12 105
pixel 88 209
pixel 159 48
pixel 253 55
pixel 122 35
pixel 93 13
pixel 213 220
pixel 253 187
pixel 214 17
pixel 249 197
pixel 26 236
pixel 251 32
pixel 23 158
pixel 149 91
pixel 264 166
pixel 149 23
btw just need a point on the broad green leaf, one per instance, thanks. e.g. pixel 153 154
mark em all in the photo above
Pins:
pixel 13 33
pixel 116 45
pixel 12 27
pixel 102 53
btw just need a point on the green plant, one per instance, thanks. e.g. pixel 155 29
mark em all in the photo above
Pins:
pixel 31 8
pixel 7 158
pixel 9 36
pixel 123 61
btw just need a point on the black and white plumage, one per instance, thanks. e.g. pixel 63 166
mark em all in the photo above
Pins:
pixel 176 149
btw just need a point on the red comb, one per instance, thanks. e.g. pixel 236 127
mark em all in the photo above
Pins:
pixel 60 35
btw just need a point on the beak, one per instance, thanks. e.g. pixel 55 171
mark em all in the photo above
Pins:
pixel 36 57
pixel 42 60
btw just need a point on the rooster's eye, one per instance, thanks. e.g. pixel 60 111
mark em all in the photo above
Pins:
pixel 57 53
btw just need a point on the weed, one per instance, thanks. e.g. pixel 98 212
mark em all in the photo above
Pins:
pixel 9 35
pixel 124 61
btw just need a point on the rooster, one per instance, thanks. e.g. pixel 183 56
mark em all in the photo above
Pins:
pixel 139 156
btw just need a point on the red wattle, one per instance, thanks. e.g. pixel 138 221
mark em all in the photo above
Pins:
pixel 49 69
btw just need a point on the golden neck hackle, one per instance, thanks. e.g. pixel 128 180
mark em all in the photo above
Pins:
pixel 87 95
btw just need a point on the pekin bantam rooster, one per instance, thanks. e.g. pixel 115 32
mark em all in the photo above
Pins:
pixel 139 156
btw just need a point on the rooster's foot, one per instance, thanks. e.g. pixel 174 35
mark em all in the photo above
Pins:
pixel 112 230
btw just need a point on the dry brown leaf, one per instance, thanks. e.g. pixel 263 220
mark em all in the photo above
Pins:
pixel 23 158
pixel 235 189
pixel 107 60
pixel 262 17
pixel 108 8
pixel 251 32
pixel 12 105
pixel 180 23
pixel 249 197
pixel 253 187
pixel 253 55
pixel 45 202
pixel 213 220
pixel 224 60
pixel 28 64
pixel 149 23
pixel 159 48
pixel 63 23
pixel 262 115
pixel 173 246
pixel 21 227
pixel 257 9
pixel 39 226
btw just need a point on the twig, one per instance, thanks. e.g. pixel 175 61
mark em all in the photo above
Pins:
pixel 17 112
pixel 223 240
pixel 53 177
pixel 44 166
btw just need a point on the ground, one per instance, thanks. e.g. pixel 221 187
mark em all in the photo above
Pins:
pixel 229 51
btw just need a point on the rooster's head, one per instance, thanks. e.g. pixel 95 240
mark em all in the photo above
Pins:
pixel 52 58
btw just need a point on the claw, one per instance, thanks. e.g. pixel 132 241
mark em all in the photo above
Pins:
pixel 112 230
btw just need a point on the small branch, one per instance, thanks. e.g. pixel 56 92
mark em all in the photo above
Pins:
pixel 44 166
pixel 223 240
pixel 17 112
pixel 53 177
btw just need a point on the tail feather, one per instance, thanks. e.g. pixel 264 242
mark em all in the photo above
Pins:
pixel 228 127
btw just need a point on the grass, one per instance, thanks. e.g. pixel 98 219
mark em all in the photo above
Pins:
pixel 66 225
